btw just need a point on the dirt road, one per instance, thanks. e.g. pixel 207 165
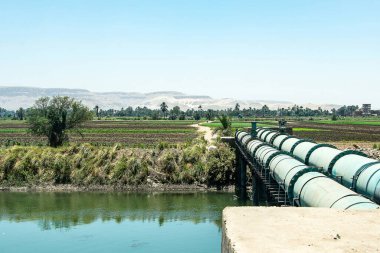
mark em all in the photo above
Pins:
pixel 207 132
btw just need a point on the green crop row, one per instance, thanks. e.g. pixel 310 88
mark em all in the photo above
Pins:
pixel 350 122
pixel 236 124
pixel 304 129
pixel 111 130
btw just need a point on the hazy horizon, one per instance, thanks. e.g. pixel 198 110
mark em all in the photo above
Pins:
pixel 320 52
pixel 14 97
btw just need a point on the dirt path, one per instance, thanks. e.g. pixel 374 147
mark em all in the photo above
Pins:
pixel 207 132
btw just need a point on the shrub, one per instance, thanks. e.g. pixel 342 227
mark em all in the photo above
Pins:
pixel 220 164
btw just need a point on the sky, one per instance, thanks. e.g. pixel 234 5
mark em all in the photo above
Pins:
pixel 304 51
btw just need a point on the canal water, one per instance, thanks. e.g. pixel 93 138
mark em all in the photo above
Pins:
pixel 112 222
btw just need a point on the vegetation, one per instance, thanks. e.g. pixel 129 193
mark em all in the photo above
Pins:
pixel 54 117
pixel 87 165
pixel 352 121
pixel 239 124
pixel 149 151
pixel 164 108
pixel 226 126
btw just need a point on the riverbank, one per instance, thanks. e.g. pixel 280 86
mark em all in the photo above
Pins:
pixel 107 188
pixel 85 166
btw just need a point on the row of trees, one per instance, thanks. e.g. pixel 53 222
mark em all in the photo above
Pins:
pixel 177 113
pixel 53 117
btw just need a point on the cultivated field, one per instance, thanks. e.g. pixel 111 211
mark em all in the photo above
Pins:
pixel 148 133
pixel 350 131
pixel 338 131
pixel 133 133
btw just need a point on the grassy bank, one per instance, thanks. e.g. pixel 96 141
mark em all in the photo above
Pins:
pixel 116 166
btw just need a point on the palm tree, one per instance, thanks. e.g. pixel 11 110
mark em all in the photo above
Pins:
pixel 20 113
pixel 164 108
pixel 225 129
pixel 96 108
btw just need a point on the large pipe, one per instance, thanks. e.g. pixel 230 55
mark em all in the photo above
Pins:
pixel 315 189
pixel 277 142
pixel 299 181
pixel 288 144
pixel 359 173
pixel 351 168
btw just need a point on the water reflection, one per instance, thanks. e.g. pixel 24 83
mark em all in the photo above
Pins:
pixel 66 210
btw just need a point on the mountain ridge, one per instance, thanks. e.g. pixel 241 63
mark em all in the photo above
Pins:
pixel 14 97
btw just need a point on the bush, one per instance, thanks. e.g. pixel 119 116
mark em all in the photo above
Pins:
pixel 220 164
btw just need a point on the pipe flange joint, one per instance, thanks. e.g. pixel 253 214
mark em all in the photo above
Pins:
pixel 342 154
pixel 275 136
pixel 296 144
pixel 273 156
pixel 282 142
pixel 315 148
pixel 296 177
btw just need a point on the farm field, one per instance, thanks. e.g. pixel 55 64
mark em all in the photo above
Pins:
pixel 149 133
pixel 345 133
pixel 371 121
pixel 133 133
pixel 241 124
pixel 337 132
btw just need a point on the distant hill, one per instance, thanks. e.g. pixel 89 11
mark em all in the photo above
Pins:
pixel 15 97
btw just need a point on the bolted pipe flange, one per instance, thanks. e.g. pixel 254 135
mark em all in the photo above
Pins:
pixel 315 148
pixel 342 154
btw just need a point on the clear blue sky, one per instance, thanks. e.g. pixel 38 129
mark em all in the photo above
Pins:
pixel 320 51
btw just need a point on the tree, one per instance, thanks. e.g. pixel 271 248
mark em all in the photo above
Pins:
pixel 265 110
pixel 334 117
pixel 53 117
pixel 226 125
pixel 96 108
pixel 236 111
pixel 176 110
pixel 200 112
pixel 182 116
pixel 197 116
pixel 164 108
pixel 209 114
pixel 237 107
pixel 20 113
pixel 156 115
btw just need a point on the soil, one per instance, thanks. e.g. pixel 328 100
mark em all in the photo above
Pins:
pixel 206 131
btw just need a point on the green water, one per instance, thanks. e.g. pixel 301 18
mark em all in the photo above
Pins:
pixel 112 222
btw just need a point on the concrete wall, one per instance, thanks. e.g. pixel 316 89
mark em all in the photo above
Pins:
pixel 295 229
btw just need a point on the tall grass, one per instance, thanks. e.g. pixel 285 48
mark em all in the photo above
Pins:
pixel 86 165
